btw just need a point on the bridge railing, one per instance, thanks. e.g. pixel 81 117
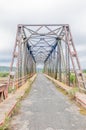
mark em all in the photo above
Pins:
pixel 16 83
pixel 3 91
pixel 9 87
pixel 21 81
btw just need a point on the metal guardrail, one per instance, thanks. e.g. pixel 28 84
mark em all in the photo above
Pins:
pixel 3 91
pixel 16 84
pixel 19 82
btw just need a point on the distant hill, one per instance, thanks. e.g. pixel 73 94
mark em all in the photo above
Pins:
pixel 4 69
pixel 39 70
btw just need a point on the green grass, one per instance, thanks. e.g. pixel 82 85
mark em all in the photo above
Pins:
pixel 4 74
pixel 28 89
pixel 5 126
pixel 72 93
pixel 72 78
pixel 10 90
pixel 17 108
pixel 61 89
pixel 84 71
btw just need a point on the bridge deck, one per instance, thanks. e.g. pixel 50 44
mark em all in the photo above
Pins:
pixel 45 108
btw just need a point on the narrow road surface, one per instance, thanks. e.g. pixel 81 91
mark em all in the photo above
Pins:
pixel 45 108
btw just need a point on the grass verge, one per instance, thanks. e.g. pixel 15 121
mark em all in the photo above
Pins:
pixel 5 126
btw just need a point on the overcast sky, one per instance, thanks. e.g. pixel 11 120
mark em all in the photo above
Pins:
pixel 13 12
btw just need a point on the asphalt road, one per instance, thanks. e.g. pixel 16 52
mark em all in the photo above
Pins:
pixel 45 108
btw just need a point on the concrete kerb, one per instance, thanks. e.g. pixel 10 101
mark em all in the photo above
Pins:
pixel 60 84
pixel 8 105
pixel 79 97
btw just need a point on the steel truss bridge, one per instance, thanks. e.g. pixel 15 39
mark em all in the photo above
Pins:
pixel 50 45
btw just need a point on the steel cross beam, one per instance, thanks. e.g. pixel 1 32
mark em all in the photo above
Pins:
pixel 53 48
pixel 30 37
pixel 31 52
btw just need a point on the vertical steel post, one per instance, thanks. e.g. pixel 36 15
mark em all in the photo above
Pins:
pixel 59 58
pixel 19 60
pixel 56 67
pixel 67 65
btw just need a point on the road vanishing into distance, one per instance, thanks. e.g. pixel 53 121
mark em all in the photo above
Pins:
pixel 46 108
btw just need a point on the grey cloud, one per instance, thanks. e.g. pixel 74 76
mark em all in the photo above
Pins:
pixel 32 12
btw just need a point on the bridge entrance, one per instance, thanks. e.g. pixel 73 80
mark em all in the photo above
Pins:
pixel 51 46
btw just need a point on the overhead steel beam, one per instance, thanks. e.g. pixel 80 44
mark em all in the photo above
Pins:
pixel 31 52
pixel 53 48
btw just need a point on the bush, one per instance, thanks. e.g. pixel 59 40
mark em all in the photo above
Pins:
pixel 72 78
pixel 84 71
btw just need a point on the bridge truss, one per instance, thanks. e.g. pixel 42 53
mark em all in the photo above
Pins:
pixel 51 45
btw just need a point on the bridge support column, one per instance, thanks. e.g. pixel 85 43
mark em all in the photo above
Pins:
pixel 59 61
pixel 67 64
pixel 56 67
pixel 19 60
